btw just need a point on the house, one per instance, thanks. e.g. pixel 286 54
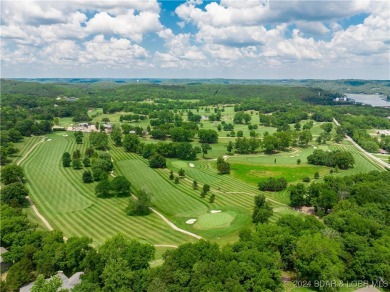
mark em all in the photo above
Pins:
pixel 383 151
pixel 3 266
pixel 67 283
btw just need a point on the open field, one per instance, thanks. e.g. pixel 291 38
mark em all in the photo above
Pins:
pixel 71 206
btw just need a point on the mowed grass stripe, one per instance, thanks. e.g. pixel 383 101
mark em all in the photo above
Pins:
pixel 102 219
pixel 118 206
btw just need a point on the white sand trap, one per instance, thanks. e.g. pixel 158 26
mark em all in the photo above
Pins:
pixel 292 156
pixel 314 147
pixel 191 221
pixel 48 140
pixel 215 211
pixel 65 135
pixel 191 165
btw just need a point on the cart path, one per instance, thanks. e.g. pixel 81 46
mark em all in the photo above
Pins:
pixel 368 155
pixel 29 151
pixel 39 214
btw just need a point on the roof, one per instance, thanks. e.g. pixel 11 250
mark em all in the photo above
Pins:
pixel 67 283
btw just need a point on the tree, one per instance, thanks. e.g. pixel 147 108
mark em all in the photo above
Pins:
pixel 130 142
pixel 270 143
pixel 76 164
pixel 299 161
pixel 11 173
pixel 240 133
pixel 181 172
pixel 19 274
pixel 87 177
pixel 79 137
pixel 262 211
pixel 316 175
pixel 139 206
pixel 120 186
pixel 230 146
pixel 42 285
pixel 318 257
pixel 203 194
pixel 157 161
pixel 298 195
pixel 223 166
pixel 273 184
pixel 171 176
pixel 194 185
pixel 177 181
pixel 116 136
pixel 304 138
pixel 14 194
pixel 179 134
pixel 206 188
pixel 205 148
pixel 327 127
pixel 86 162
pixel 99 140
pixel 89 152
pixel 103 188
pixel 76 154
pixel 212 198
pixel 208 136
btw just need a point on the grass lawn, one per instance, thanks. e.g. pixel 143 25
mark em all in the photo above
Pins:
pixel 254 173
pixel 72 207
pixel 179 202
pixel 217 220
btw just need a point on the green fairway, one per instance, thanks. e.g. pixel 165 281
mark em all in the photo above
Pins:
pixel 72 207
pixel 217 220
pixel 170 200
pixel 179 202
pixel 253 173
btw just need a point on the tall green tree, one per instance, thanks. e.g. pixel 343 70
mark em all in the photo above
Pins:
pixel 120 186
pixel 262 211
pixel 14 194
pixel 11 173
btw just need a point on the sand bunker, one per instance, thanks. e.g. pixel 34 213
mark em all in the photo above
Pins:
pixel 65 135
pixel 48 140
pixel 191 165
pixel 191 221
pixel 215 211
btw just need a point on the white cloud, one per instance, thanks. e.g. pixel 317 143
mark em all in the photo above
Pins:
pixel 230 38
pixel 112 52
pixel 129 24
pixel 314 27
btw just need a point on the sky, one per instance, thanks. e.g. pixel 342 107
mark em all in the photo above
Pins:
pixel 235 39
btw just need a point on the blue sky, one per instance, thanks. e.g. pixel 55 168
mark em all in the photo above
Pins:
pixel 256 39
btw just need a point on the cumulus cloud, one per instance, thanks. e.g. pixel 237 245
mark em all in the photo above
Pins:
pixel 240 37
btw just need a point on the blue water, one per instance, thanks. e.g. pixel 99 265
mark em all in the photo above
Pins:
pixel 371 99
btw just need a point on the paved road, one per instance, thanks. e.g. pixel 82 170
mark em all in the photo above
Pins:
pixel 373 158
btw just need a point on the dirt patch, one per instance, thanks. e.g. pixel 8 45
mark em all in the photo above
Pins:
pixel 306 210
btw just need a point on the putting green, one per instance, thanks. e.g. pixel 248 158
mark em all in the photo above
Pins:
pixel 217 220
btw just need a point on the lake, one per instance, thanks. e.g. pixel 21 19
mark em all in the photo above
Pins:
pixel 371 99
